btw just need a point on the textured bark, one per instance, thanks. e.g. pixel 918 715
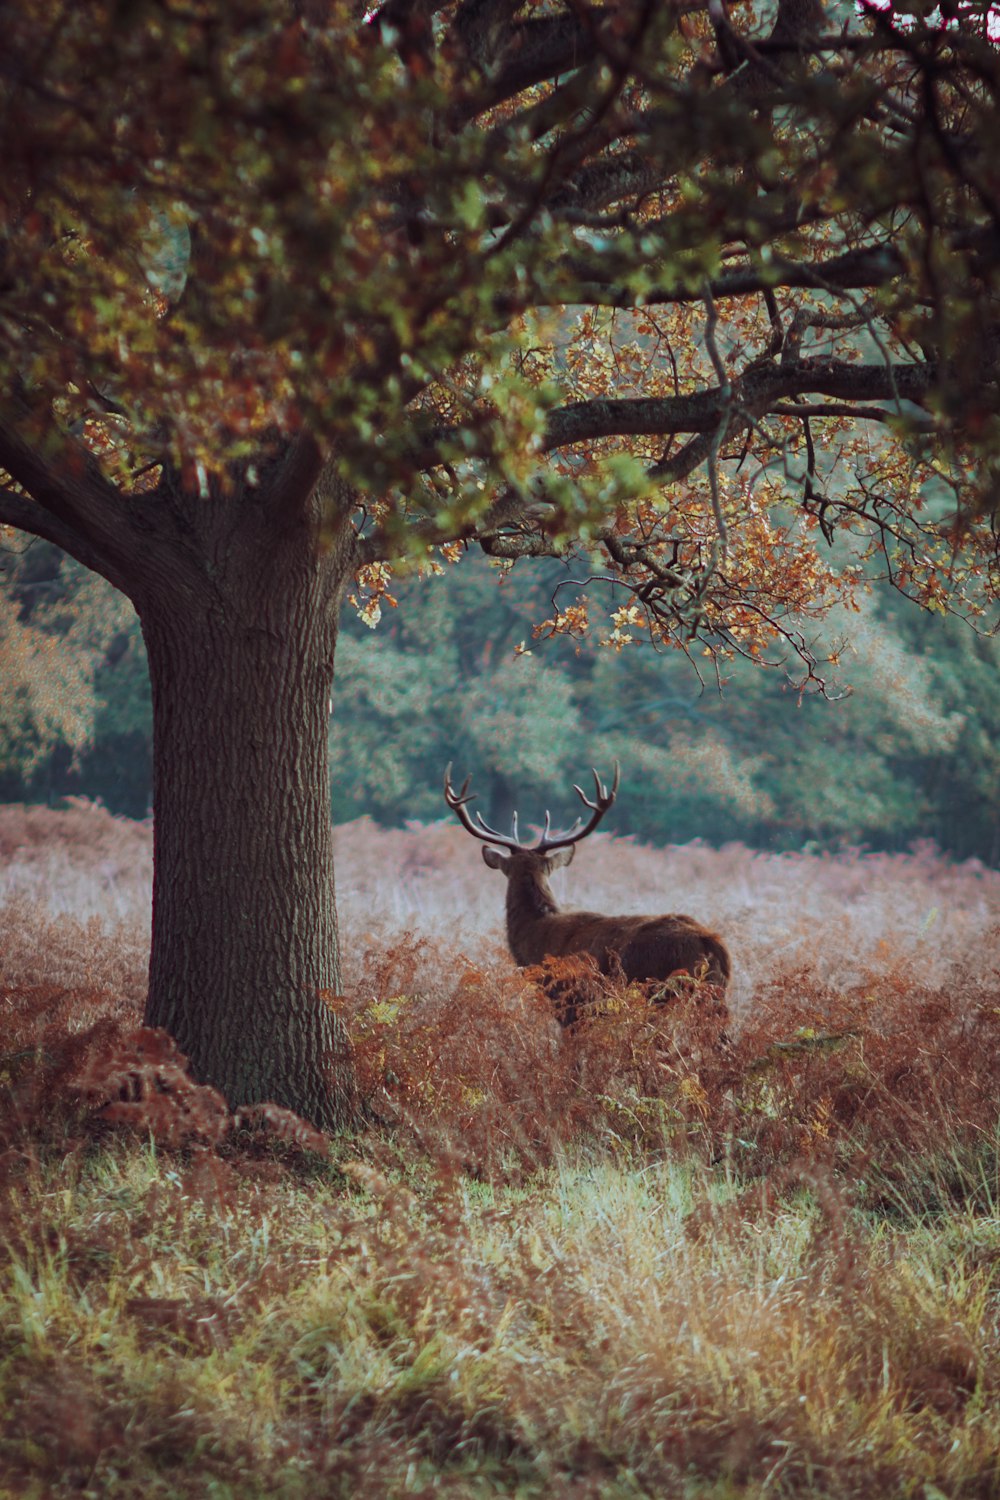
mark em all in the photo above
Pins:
pixel 245 953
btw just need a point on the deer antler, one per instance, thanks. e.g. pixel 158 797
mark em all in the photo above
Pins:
pixel 603 799
pixel 458 802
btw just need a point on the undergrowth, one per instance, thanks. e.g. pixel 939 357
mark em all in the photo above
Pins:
pixel 668 1250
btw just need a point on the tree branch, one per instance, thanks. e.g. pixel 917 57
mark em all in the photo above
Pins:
pixel 24 514
pixel 73 505
pixel 756 392
pixel 538 49
pixel 843 409
pixel 760 390
pixel 855 270
pixel 514 545
pixel 294 480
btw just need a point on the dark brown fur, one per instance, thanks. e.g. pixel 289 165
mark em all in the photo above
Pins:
pixel 641 948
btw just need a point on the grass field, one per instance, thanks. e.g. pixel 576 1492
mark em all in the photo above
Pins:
pixel 631 1260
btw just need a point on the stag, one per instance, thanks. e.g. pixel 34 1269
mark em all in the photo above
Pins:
pixel 641 948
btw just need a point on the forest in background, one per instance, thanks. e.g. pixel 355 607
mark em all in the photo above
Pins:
pixel 906 748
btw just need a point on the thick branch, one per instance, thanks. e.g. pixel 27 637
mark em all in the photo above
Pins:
pixel 83 507
pixel 609 179
pixel 759 391
pixel 535 51
pixel 514 545
pixel 289 488
pixel 17 510
pixel 756 392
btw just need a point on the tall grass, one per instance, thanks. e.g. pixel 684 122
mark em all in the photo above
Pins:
pixel 662 1253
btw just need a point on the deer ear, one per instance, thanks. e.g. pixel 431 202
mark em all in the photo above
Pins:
pixel 561 857
pixel 495 859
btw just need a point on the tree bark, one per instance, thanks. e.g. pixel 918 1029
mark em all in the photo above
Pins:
pixel 245 957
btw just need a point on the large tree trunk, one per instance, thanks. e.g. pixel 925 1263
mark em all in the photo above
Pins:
pixel 245 954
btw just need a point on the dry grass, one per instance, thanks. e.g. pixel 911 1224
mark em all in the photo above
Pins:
pixel 634 1259
pixel 840 918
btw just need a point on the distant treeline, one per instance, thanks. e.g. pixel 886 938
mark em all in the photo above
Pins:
pixel 910 751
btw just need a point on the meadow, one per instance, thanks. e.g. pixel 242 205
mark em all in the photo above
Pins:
pixel 665 1253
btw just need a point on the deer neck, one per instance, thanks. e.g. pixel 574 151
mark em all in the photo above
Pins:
pixel 530 903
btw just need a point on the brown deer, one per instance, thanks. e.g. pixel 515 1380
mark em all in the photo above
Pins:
pixel 642 948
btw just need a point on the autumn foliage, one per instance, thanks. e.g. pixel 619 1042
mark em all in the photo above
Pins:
pixel 861 1028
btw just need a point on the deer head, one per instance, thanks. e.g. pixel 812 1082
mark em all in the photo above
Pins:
pixel 552 850
pixel 535 926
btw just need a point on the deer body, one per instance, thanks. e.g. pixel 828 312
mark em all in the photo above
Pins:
pixel 642 948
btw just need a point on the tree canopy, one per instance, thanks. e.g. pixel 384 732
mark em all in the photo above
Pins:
pixel 625 275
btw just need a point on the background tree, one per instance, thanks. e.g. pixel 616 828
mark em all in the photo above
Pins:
pixel 904 747
pixel 289 296
pixel 57 625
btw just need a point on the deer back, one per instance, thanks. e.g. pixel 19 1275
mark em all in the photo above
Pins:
pixel 642 947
